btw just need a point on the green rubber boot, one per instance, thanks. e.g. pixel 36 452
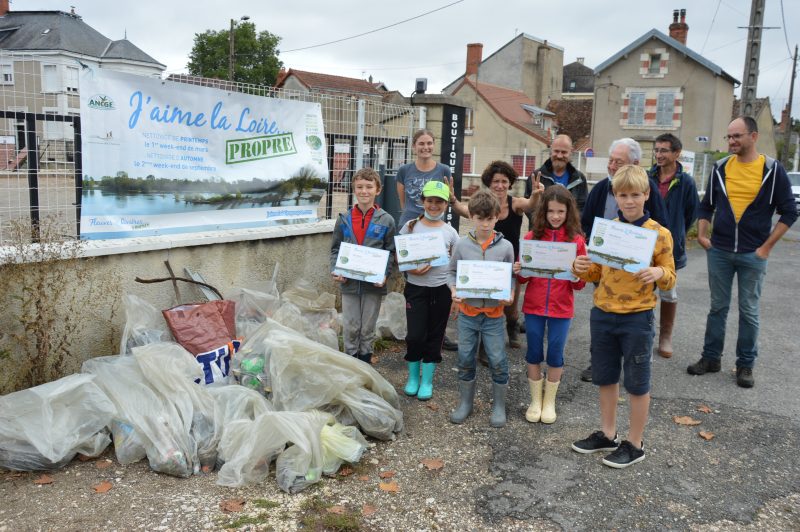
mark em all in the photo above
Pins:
pixel 412 386
pixel 466 399
pixel 426 386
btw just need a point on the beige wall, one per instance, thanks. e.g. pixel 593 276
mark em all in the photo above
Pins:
pixel 707 102
pixel 494 138
pixel 766 133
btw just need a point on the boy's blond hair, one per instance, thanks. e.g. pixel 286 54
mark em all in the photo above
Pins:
pixel 367 174
pixel 630 178
pixel 484 204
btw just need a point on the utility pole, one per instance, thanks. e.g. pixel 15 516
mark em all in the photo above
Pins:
pixel 750 78
pixel 787 135
pixel 230 51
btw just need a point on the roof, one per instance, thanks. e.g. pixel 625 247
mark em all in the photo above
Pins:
pixel 315 81
pixel 669 41
pixel 580 74
pixel 511 106
pixel 56 30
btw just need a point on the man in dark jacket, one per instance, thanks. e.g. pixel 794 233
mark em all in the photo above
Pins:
pixel 601 202
pixel 559 170
pixel 680 196
pixel 744 191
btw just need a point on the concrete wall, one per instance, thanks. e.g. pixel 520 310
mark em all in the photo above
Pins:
pixel 707 102
pixel 226 259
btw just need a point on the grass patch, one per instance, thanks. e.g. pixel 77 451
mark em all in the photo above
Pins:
pixel 317 517
pixel 239 522
pixel 265 504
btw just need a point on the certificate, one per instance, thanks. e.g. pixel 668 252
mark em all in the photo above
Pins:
pixel 483 279
pixel 621 246
pixel 551 260
pixel 361 263
pixel 416 250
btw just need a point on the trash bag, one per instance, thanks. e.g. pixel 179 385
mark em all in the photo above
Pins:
pixel 202 327
pixel 250 446
pixel 144 324
pixel 340 444
pixel 306 375
pixel 44 427
pixel 154 421
pixel 392 322
pixel 253 307
pixel 235 403
pixel 172 371
pixel 319 320
pixel 375 416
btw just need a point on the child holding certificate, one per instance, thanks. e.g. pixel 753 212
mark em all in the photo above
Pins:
pixel 549 301
pixel 365 224
pixel 481 318
pixel 622 323
pixel 427 295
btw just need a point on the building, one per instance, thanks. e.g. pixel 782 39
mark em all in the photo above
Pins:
pixel 658 85
pixel 578 81
pixel 41 55
pixel 762 113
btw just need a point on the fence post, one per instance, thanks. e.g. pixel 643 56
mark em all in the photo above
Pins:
pixel 525 162
pixel 33 174
pixel 76 130
pixel 362 105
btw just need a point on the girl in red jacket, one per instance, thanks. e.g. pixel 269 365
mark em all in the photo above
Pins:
pixel 549 302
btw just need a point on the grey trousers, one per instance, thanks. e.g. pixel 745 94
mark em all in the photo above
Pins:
pixel 359 314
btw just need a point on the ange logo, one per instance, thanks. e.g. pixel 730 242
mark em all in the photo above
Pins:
pixel 101 102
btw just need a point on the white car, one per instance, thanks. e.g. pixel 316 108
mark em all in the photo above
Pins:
pixel 794 177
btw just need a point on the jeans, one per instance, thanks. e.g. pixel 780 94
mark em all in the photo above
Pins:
pixel 557 332
pixel 750 271
pixel 471 331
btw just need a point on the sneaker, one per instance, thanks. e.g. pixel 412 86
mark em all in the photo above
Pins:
pixel 449 345
pixel 595 443
pixel 703 366
pixel 586 375
pixel 625 455
pixel 744 377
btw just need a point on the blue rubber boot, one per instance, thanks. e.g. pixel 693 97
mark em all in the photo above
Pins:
pixel 426 387
pixel 412 386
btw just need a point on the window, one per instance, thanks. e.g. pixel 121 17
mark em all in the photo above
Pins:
pixel 665 108
pixel 467 166
pixel 50 78
pixel 636 108
pixel 655 64
pixel 71 80
pixel 572 85
pixel 6 74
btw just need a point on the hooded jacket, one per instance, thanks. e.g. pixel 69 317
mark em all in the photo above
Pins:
pixel 467 248
pixel 576 184
pixel 681 202
pixel 755 225
pixel 552 297
pixel 379 234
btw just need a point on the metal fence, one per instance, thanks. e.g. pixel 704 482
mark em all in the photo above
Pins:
pixel 40 148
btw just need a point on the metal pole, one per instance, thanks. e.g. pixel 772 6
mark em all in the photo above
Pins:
pixel 33 173
pixel 230 52
pixel 787 135
pixel 362 106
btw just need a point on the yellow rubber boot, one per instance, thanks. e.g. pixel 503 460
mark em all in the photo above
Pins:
pixel 549 402
pixel 534 412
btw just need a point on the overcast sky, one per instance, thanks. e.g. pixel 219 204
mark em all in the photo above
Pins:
pixel 434 46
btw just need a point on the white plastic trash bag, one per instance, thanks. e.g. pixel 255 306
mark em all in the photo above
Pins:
pixel 253 307
pixel 392 323
pixel 144 324
pixel 46 426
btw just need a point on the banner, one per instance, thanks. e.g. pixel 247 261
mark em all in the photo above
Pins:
pixel 453 151
pixel 162 157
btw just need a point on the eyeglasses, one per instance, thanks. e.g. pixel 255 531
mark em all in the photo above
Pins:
pixel 735 136
pixel 662 150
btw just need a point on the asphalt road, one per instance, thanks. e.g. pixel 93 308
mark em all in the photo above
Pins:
pixel 748 473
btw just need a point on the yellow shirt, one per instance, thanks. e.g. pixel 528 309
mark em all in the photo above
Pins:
pixel 742 181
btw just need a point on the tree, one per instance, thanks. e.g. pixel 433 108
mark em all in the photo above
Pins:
pixel 256 55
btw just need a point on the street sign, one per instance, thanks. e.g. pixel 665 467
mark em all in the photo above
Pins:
pixel 702 138
pixel 589 152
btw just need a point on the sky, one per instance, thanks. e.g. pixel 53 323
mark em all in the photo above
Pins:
pixel 433 46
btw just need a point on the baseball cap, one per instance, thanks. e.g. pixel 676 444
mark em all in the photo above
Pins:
pixel 436 189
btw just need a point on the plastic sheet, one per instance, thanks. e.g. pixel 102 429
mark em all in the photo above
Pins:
pixel 392 323
pixel 144 324
pixel 253 307
pixel 340 444
pixel 46 426
pixel 318 319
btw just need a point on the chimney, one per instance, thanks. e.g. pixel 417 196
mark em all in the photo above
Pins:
pixel 679 30
pixel 4 9
pixel 474 58
pixel 580 60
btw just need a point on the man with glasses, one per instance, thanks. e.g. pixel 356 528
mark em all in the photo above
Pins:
pixel 679 192
pixel 744 191
pixel 601 202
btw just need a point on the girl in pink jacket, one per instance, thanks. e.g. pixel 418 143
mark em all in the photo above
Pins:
pixel 549 302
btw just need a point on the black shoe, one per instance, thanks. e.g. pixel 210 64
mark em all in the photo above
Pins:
pixel 365 358
pixel 703 366
pixel 744 377
pixel 625 455
pixel 449 345
pixel 586 375
pixel 597 442
pixel 522 327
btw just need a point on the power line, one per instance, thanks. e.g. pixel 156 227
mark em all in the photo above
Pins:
pixel 785 36
pixel 375 30
pixel 710 27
